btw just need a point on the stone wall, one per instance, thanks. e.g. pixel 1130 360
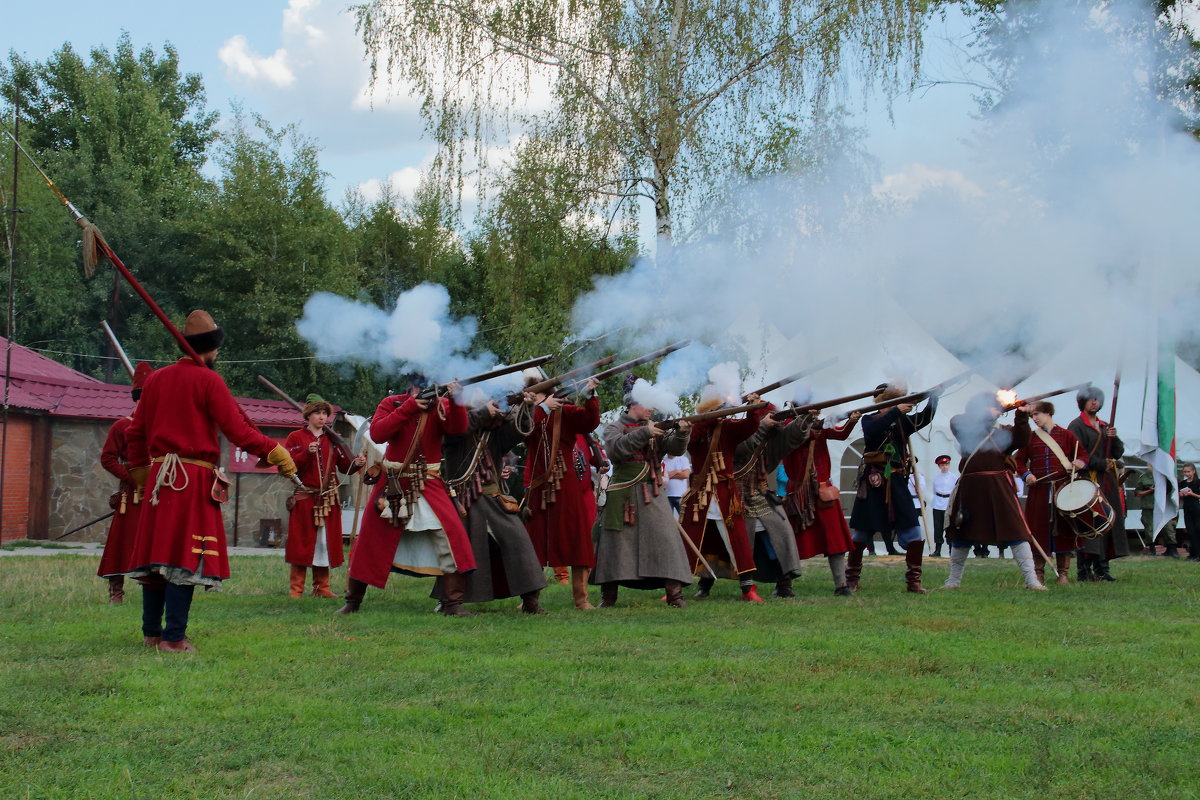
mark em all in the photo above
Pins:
pixel 79 486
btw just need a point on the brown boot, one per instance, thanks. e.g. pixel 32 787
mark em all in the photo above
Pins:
pixel 530 604
pixel 579 584
pixel 562 575
pixel 675 595
pixel 151 641
pixel 356 590
pixel 184 645
pixel 608 595
pixel 912 576
pixel 321 582
pixel 854 567
pixel 1039 567
pixel 297 588
pixel 116 590
pixel 454 586
pixel 1063 561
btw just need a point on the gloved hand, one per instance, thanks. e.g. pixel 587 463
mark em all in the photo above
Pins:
pixel 138 475
pixel 281 459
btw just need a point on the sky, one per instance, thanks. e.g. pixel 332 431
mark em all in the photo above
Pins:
pixel 299 61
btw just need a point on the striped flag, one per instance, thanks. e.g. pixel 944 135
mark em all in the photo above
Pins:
pixel 1158 429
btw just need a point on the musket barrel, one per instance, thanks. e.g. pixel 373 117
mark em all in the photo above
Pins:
pixel 915 397
pixel 550 383
pixel 711 415
pixel 1027 400
pixel 625 366
pixel 795 411
pixel 770 387
pixel 112 337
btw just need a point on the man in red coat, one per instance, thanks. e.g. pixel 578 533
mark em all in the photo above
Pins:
pixel 814 505
pixel 410 524
pixel 557 480
pixel 315 523
pixel 711 510
pixel 180 541
pixel 1044 472
pixel 126 503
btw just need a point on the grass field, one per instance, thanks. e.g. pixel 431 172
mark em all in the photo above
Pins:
pixel 990 691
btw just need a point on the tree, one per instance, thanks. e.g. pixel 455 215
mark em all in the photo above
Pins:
pixel 125 135
pixel 534 253
pixel 648 99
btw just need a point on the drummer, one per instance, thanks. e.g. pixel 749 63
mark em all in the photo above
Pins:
pixel 1048 462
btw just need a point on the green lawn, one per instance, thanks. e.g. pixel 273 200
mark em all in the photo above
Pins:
pixel 989 691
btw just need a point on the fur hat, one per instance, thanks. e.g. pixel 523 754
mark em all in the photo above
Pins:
pixel 202 333
pixel 1089 393
pixel 314 403
pixel 889 391
pixel 140 373
pixel 710 403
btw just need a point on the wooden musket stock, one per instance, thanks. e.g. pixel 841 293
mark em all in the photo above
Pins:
pixel 550 383
pixel 1027 400
pixel 576 386
pixel 672 424
pixel 440 389
pixel 808 408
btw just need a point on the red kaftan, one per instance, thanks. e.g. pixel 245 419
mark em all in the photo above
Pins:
pixel 118 547
pixel 395 422
pixel 828 534
pixel 561 520
pixel 182 409
pixel 318 471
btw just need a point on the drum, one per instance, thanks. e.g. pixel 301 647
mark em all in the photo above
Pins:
pixel 1082 504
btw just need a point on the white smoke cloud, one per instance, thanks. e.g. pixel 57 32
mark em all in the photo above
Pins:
pixel 1072 223
pixel 418 334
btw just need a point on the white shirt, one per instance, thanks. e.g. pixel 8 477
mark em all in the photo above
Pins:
pixel 676 486
pixel 912 489
pixel 943 485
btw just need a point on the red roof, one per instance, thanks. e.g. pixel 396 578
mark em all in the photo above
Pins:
pixel 42 384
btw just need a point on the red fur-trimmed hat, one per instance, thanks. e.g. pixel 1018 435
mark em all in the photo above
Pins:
pixel 140 373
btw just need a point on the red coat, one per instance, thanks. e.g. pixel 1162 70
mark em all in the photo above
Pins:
pixel 1040 513
pixel 828 534
pixel 395 422
pixel 314 470
pixel 693 508
pixel 561 517
pixel 118 547
pixel 182 409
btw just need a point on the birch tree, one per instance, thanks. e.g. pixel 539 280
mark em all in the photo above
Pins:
pixel 653 99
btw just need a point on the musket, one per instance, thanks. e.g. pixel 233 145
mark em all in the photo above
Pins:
pixel 333 435
pixel 808 408
pixel 1037 397
pixel 550 383
pixel 1112 409
pixel 624 367
pixel 915 397
pixel 93 241
pixel 440 389
pixel 112 337
pixel 672 424
pixel 85 525
pixel 770 387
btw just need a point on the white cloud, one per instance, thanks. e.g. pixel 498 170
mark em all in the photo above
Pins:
pixel 917 178
pixel 240 60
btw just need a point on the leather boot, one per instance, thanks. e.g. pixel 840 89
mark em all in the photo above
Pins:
pixel 783 588
pixel 1083 568
pixel 562 575
pixel 530 604
pixel 321 582
pixel 116 590
pixel 750 594
pixel 579 584
pixel 356 590
pixel 1039 568
pixel 1063 562
pixel 184 645
pixel 608 595
pixel 854 567
pixel 297 588
pixel 1100 567
pixel 912 576
pixel 675 595
pixel 704 588
pixel 454 586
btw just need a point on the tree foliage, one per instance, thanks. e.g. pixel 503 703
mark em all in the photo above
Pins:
pixel 649 99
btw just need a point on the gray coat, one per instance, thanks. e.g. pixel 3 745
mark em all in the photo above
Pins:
pixel 506 564
pixel 769 446
pixel 648 552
